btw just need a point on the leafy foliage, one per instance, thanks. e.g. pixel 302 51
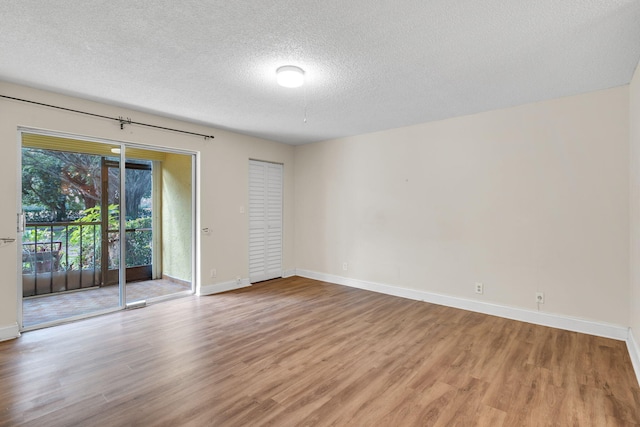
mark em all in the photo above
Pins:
pixel 60 186
pixel 60 182
pixel 139 250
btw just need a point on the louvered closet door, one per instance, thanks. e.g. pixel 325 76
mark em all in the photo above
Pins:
pixel 265 221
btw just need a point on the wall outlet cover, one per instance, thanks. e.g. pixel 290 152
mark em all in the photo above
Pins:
pixel 479 288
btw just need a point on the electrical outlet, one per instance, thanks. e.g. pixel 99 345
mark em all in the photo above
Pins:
pixel 479 288
pixel 540 297
pixel 214 273
pixel 345 266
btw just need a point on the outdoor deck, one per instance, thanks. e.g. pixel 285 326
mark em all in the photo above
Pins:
pixel 57 306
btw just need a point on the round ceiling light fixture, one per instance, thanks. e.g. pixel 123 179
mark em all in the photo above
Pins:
pixel 290 76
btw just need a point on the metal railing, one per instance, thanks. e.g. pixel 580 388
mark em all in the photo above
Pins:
pixel 60 256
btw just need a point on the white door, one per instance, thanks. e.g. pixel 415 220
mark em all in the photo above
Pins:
pixel 265 220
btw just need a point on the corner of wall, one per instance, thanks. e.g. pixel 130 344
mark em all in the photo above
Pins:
pixel 218 288
pixel 634 219
pixel 9 332
pixel 634 353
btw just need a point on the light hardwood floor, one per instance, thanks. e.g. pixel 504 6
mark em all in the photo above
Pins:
pixel 297 352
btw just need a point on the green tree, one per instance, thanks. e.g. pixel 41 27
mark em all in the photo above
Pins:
pixel 61 181
pixel 41 183
pixel 138 187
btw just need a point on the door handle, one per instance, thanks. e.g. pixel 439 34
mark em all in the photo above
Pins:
pixel 22 222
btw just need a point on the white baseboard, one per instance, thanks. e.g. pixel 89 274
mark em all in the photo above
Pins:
pixel 634 353
pixel 9 332
pixel 289 273
pixel 223 287
pixel 616 332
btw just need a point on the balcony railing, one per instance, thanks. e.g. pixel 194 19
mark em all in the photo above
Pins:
pixel 60 256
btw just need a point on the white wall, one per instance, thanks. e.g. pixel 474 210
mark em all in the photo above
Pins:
pixel 526 199
pixel 530 198
pixel 634 137
pixel 223 179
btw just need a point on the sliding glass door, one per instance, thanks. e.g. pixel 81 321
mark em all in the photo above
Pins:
pixel 83 214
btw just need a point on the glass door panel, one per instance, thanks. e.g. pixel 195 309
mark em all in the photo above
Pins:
pixel 139 227
pixel 63 196
pixel 138 224
pixel 111 218
pixel 159 225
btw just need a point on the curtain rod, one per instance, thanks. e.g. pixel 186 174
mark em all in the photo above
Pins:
pixel 121 120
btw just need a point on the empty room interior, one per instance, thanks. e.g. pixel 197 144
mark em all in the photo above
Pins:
pixel 320 213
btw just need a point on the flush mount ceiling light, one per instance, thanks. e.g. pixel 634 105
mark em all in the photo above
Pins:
pixel 290 76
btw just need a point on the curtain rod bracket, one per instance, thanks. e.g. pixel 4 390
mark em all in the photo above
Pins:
pixel 124 121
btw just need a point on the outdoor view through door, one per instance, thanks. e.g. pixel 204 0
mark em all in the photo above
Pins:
pixel 139 230
pixel 71 202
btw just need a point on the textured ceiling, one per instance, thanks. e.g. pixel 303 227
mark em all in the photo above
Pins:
pixel 370 65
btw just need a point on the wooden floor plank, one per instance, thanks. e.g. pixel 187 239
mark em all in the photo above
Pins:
pixel 294 352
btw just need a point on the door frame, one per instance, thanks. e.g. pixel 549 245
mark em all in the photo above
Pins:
pixel 195 214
